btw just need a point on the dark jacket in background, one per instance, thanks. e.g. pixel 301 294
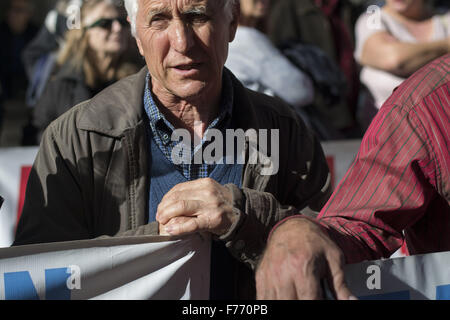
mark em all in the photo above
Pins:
pixel 302 21
pixel 64 90
pixel 44 43
pixel 12 71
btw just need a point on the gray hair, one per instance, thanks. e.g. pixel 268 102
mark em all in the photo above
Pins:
pixel 132 7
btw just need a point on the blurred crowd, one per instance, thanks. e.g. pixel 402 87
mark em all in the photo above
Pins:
pixel 334 61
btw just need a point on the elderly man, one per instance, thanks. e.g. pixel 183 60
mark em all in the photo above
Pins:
pixel 397 189
pixel 107 167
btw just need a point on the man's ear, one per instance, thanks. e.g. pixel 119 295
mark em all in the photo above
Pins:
pixel 235 20
pixel 138 41
pixel 139 45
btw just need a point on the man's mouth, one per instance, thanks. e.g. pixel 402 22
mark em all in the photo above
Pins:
pixel 188 66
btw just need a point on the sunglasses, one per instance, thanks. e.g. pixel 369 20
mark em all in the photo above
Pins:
pixel 106 23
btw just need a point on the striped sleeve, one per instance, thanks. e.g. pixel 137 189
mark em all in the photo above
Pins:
pixel 396 173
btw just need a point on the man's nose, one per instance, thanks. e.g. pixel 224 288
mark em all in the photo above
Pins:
pixel 181 36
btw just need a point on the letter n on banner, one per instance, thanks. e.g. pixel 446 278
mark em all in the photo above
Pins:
pixel 24 174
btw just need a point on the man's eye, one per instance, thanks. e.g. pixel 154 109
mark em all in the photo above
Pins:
pixel 197 18
pixel 158 20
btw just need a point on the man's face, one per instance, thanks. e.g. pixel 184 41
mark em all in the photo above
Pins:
pixel 185 45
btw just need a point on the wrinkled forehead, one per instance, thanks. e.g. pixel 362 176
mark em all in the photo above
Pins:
pixel 179 5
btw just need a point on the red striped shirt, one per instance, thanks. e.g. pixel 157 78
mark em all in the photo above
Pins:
pixel 399 184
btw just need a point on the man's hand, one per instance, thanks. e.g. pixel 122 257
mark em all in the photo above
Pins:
pixel 298 256
pixel 200 205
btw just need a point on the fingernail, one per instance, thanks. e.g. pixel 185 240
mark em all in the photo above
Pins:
pixel 352 298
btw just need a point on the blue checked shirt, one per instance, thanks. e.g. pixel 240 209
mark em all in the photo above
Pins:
pixel 162 129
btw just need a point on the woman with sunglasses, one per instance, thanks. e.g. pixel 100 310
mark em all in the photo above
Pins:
pixel 93 57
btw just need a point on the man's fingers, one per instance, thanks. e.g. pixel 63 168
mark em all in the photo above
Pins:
pixel 187 194
pixel 177 220
pixel 209 196
pixel 339 287
pixel 178 208
pixel 203 221
pixel 337 275
pixel 283 292
pixel 182 227
pixel 265 292
pixel 300 256
pixel 274 284
pixel 189 187
pixel 308 288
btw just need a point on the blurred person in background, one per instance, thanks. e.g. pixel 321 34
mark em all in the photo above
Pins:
pixel 15 33
pixel 260 65
pixel 326 25
pixel 51 36
pixel 39 57
pixel 408 35
pixel 92 58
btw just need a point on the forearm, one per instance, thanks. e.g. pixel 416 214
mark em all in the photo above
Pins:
pixel 360 241
pixel 259 212
pixel 384 52
pixel 353 240
pixel 411 57
pixel 383 193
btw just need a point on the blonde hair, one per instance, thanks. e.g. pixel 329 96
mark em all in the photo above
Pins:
pixel 76 52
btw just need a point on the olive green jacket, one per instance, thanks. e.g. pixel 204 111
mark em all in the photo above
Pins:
pixel 91 179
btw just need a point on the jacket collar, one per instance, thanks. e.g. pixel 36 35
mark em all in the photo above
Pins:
pixel 120 108
pixel 116 109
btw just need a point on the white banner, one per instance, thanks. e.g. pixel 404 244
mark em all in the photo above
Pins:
pixel 421 277
pixel 138 268
pixel 134 268
pixel 15 165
